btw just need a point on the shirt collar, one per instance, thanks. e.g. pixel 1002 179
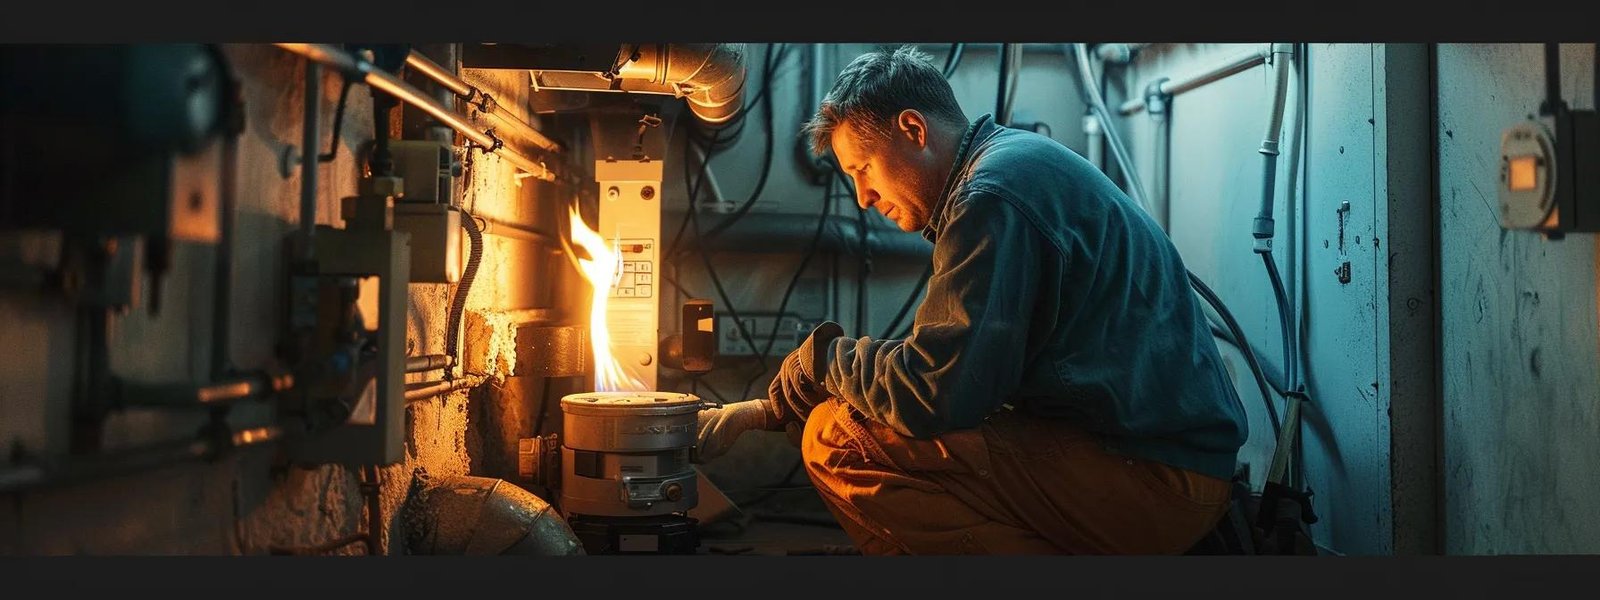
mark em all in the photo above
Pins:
pixel 936 219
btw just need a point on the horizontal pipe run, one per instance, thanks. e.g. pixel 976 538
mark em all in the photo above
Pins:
pixel 518 231
pixel 183 395
pixel 440 388
pixel 129 461
pixel 1237 64
pixel 388 83
pixel 432 70
pixel 788 233
pixel 428 362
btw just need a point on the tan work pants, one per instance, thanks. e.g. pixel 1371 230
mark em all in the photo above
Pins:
pixel 1014 485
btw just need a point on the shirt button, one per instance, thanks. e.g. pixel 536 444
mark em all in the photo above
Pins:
pixel 983 472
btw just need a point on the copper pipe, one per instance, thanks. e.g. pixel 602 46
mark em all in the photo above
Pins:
pixel 404 92
pixel 432 70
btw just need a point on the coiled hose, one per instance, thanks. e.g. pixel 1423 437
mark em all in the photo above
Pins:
pixel 458 304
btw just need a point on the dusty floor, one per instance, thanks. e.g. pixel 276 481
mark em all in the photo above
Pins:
pixel 785 521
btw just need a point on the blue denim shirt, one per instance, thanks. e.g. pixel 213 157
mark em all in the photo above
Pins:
pixel 1053 294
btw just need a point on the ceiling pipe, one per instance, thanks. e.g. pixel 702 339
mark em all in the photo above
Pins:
pixel 1237 64
pixel 709 76
pixel 482 100
pixel 388 83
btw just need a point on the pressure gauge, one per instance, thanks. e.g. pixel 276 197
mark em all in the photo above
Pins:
pixel 1527 176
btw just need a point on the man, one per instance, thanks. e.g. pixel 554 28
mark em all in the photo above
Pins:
pixel 1059 392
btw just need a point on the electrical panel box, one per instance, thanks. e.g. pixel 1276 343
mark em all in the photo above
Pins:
pixel 1550 174
pixel 630 221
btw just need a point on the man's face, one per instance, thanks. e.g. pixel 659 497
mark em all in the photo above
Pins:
pixel 897 175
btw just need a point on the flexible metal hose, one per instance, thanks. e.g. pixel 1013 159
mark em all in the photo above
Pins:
pixel 458 304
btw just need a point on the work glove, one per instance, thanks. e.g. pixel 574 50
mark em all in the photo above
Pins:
pixel 721 425
pixel 798 385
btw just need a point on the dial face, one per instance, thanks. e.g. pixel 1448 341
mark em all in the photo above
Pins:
pixel 1527 176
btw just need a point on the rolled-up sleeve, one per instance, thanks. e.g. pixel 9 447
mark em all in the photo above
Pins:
pixel 967 350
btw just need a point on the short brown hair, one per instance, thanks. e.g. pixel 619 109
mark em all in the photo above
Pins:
pixel 872 90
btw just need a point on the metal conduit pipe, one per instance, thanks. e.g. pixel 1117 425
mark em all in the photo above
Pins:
pixel 1237 64
pixel 50 473
pixel 428 362
pixel 187 395
pixel 485 103
pixel 404 92
pixel 709 76
pixel 434 389
pixel 786 233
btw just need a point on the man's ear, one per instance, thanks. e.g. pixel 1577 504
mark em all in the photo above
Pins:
pixel 914 126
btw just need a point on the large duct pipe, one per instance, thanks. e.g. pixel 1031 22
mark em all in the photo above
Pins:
pixel 709 76
pixel 479 516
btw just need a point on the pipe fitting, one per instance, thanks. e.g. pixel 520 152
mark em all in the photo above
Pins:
pixel 477 516
pixel 709 76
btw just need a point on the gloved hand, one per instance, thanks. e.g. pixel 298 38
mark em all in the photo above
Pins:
pixel 721 426
pixel 798 385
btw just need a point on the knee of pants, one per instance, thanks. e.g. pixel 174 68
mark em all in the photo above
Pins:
pixel 816 447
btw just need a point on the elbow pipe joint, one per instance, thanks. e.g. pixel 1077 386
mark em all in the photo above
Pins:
pixel 709 76
pixel 1156 96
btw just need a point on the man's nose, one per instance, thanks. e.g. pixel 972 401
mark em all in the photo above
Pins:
pixel 866 198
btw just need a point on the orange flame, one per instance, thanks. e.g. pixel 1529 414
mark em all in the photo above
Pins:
pixel 603 269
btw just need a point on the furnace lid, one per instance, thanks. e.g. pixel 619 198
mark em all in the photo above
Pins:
pixel 630 403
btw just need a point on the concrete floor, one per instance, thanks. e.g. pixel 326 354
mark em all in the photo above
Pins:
pixel 792 521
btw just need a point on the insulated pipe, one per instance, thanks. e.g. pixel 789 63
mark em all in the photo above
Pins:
pixel 432 70
pixel 404 92
pixel 1263 228
pixel 710 76
pixel 1091 92
pixel 1237 64
pixel 1097 152
pixel 478 516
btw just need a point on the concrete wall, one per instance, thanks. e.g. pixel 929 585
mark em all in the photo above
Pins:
pixel 1340 144
pixel 251 501
pixel 1518 344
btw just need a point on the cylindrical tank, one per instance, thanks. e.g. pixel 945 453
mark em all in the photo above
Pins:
pixel 626 454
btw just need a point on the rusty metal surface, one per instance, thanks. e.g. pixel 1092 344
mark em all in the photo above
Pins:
pixel 552 350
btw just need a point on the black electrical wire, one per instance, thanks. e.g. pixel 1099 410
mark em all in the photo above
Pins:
pixel 1000 91
pixel 1552 79
pixel 905 308
pixel 794 282
pixel 1284 320
pixel 1243 345
pixel 716 281
pixel 708 148
pixel 338 121
pixel 458 304
pixel 766 166
pixel 954 59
